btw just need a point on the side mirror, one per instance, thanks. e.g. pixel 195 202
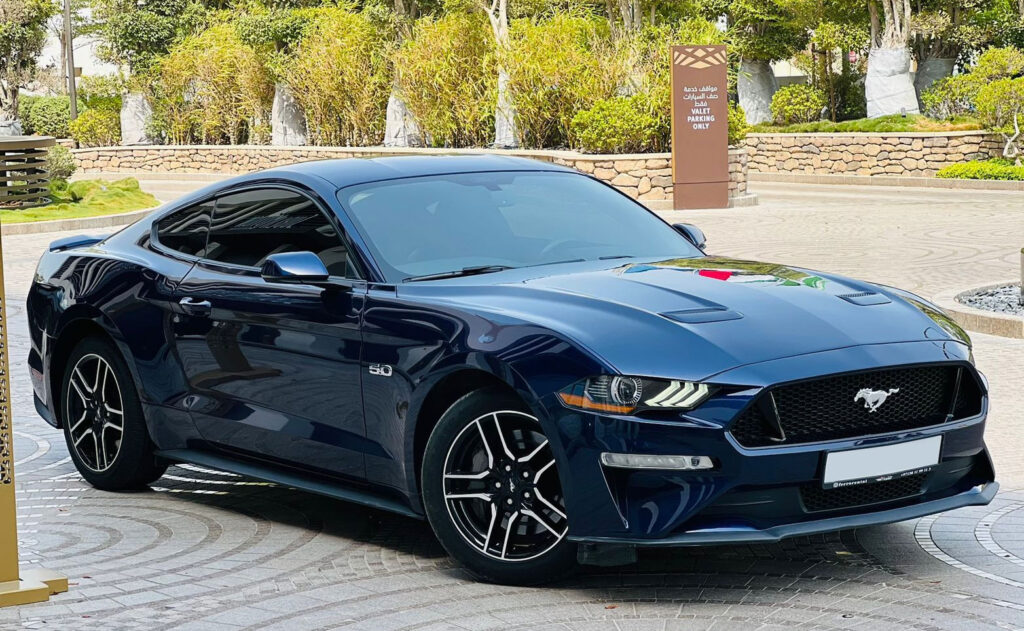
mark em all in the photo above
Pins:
pixel 294 267
pixel 692 233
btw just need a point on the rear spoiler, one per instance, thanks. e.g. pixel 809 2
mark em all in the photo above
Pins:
pixel 79 241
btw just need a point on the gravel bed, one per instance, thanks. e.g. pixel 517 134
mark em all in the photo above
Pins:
pixel 999 299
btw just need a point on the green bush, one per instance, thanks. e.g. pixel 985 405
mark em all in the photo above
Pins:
pixel 558 67
pixel 623 124
pixel 797 103
pixel 60 164
pixel 997 169
pixel 340 77
pixel 882 124
pixel 948 97
pixel 101 92
pixel 97 128
pixel 25 103
pixel 211 89
pixel 998 63
pixel 1000 102
pixel 738 127
pixel 956 96
pixel 50 116
pixel 446 74
pixel 851 103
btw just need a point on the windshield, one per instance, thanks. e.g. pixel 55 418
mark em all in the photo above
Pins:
pixel 445 223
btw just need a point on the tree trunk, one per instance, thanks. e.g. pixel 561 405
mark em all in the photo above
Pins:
pixel 632 15
pixel 505 133
pixel 135 116
pixel 755 86
pixel 930 70
pixel 400 128
pixel 287 120
pixel 888 87
pixel 9 123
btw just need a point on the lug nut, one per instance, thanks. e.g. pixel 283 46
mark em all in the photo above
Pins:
pixel 508 467
pixel 509 501
pixel 497 485
pixel 526 495
pixel 526 474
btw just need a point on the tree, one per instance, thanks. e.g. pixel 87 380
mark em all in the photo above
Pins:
pixel 943 30
pixel 135 33
pixel 888 87
pixel 1001 107
pixel 760 32
pixel 273 34
pixel 22 35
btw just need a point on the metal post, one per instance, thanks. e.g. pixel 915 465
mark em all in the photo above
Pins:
pixel 17 587
pixel 70 54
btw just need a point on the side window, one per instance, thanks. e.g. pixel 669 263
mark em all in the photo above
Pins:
pixel 185 231
pixel 250 226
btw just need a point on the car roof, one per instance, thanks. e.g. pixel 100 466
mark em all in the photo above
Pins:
pixel 351 171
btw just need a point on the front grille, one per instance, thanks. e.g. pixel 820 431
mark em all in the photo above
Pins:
pixel 828 408
pixel 816 498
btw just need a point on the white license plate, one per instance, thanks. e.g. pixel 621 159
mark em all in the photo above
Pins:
pixel 879 464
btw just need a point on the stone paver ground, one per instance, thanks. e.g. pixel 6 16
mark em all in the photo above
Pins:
pixel 210 550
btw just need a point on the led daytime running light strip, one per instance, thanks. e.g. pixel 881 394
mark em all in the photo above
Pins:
pixel 681 394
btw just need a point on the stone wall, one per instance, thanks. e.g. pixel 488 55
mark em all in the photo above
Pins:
pixel 647 177
pixel 898 154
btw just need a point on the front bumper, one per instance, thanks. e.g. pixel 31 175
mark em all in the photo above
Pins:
pixel 976 496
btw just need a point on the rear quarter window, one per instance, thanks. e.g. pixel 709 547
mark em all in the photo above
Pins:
pixel 186 230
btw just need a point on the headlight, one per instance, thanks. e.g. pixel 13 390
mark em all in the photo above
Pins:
pixel 627 395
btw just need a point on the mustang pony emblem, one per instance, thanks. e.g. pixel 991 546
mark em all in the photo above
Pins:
pixel 873 399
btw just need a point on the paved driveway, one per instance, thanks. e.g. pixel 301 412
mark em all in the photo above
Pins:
pixel 209 550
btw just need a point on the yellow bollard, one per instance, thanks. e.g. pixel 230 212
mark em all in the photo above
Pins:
pixel 17 587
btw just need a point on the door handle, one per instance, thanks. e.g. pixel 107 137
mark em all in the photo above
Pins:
pixel 195 307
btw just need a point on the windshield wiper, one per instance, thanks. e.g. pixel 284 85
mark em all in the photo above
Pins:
pixel 465 271
pixel 616 256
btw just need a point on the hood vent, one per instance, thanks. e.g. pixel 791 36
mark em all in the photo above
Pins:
pixel 702 315
pixel 866 298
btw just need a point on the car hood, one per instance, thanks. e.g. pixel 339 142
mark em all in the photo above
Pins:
pixel 693 318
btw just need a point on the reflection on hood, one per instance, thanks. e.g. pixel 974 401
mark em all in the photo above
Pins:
pixel 733 271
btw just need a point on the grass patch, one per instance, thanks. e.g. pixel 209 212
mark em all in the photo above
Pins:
pixel 994 169
pixel 85 198
pixel 882 124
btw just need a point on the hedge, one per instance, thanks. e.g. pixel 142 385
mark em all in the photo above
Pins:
pixel 995 169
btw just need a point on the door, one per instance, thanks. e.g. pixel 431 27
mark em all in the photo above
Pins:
pixel 273 368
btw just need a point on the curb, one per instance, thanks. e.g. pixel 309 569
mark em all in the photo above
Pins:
pixel 79 223
pixel 882 180
pixel 979 320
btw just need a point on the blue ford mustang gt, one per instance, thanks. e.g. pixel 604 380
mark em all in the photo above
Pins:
pixel 532 361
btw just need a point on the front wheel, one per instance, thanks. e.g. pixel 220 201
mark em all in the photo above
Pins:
pixel 492 493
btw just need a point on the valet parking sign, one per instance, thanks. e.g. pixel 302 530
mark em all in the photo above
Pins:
pixel 700 127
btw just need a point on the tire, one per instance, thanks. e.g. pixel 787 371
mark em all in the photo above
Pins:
pixel 98 395
pixel 472 490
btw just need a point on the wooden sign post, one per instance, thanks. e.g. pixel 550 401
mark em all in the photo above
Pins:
pixel 700 127
pixel 17 587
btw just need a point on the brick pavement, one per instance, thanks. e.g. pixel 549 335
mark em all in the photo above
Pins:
pixel 210 550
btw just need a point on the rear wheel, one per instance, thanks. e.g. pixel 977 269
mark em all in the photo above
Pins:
pixel 492 492
pixel 102 418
